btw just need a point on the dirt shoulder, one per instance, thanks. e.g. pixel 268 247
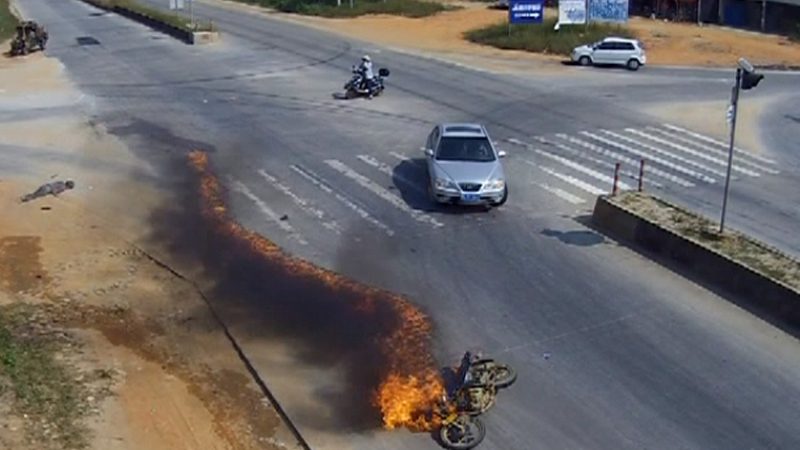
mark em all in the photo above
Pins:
pixel 442 35
pixel 146 363
pixel 685 44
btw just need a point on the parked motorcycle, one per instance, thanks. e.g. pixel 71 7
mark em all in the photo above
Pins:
pixel 30 35
pixel 357 86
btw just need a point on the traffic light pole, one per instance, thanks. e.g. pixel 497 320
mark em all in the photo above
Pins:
pixel 735 106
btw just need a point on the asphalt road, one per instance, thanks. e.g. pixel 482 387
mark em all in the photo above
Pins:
pixel 636 355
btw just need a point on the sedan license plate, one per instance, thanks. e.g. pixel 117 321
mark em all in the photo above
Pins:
pixel 470 197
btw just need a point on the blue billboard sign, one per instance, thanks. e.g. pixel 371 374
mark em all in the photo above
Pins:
pixel 608 10
pixel 525 11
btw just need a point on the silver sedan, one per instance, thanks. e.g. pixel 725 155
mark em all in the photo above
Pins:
pixel 464 166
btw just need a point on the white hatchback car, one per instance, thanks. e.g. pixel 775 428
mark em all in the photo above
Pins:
pixel 611 50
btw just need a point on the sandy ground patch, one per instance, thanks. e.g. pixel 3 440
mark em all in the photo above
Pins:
pixel 690 45
pixel 177 383
pixel 442 35
pixel 31 73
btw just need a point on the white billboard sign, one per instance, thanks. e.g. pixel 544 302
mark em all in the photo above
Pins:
pixel 571 12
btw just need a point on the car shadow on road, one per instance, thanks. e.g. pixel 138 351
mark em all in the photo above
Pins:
pixel 569 62
pixel 581 238
pixel 410 178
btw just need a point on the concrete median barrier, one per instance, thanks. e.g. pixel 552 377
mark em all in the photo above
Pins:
pixel 181 33
pixel 764 293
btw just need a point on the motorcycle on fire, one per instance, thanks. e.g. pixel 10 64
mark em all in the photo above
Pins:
pixel 478 380
pixel 358 86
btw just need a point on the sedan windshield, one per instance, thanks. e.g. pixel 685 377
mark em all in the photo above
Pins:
pixel 465 149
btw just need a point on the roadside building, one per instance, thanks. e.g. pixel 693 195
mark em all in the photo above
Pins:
pixel 772 16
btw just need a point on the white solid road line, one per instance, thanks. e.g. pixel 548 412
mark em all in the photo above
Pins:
pixel 598 161
pixel 689 151
pixel 267 211
pixel 573 165
pixel 564 195
pixel 620 157
pixel 323 185
pixel 646 155
pixel 301 203
pixel 386 169
pixel 594 190
pixel 378 190
pixel 718 143
pixel 722 153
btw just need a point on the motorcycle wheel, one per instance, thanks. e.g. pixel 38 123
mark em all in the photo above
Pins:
pixel 463 434
pixel 504 375
pixel 350 93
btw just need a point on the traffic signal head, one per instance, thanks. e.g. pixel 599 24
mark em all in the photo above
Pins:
pixel 750 79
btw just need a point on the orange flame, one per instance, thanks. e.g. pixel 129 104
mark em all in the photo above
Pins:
pixel 408 401
pixel 408 394
pixel 412 386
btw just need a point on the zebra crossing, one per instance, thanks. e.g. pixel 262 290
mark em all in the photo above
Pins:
pixel 572 168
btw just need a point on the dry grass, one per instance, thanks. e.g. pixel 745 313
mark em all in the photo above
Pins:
pixel 44 388
pixel 739 247
pixel 329 8
pixel 8 22
pixel 543 38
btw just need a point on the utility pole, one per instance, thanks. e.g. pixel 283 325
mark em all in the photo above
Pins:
pixel 699 11
pixel 734 107
pixel 746 79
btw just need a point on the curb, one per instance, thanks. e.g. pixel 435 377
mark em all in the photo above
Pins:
pixel 764 68
pixel 778 300
pixel 189 37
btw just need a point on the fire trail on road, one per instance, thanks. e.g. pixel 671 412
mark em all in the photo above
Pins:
pixel 381 338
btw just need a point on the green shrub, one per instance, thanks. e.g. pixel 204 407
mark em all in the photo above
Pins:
pixel 8 23
pixel 329 8
pixel 542 38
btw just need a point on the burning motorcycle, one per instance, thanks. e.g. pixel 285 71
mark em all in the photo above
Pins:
pixel 459 431
pixel 475 393
pixel 359 86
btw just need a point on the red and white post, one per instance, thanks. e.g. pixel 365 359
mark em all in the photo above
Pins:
pixel 616 179
pixel 641 174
